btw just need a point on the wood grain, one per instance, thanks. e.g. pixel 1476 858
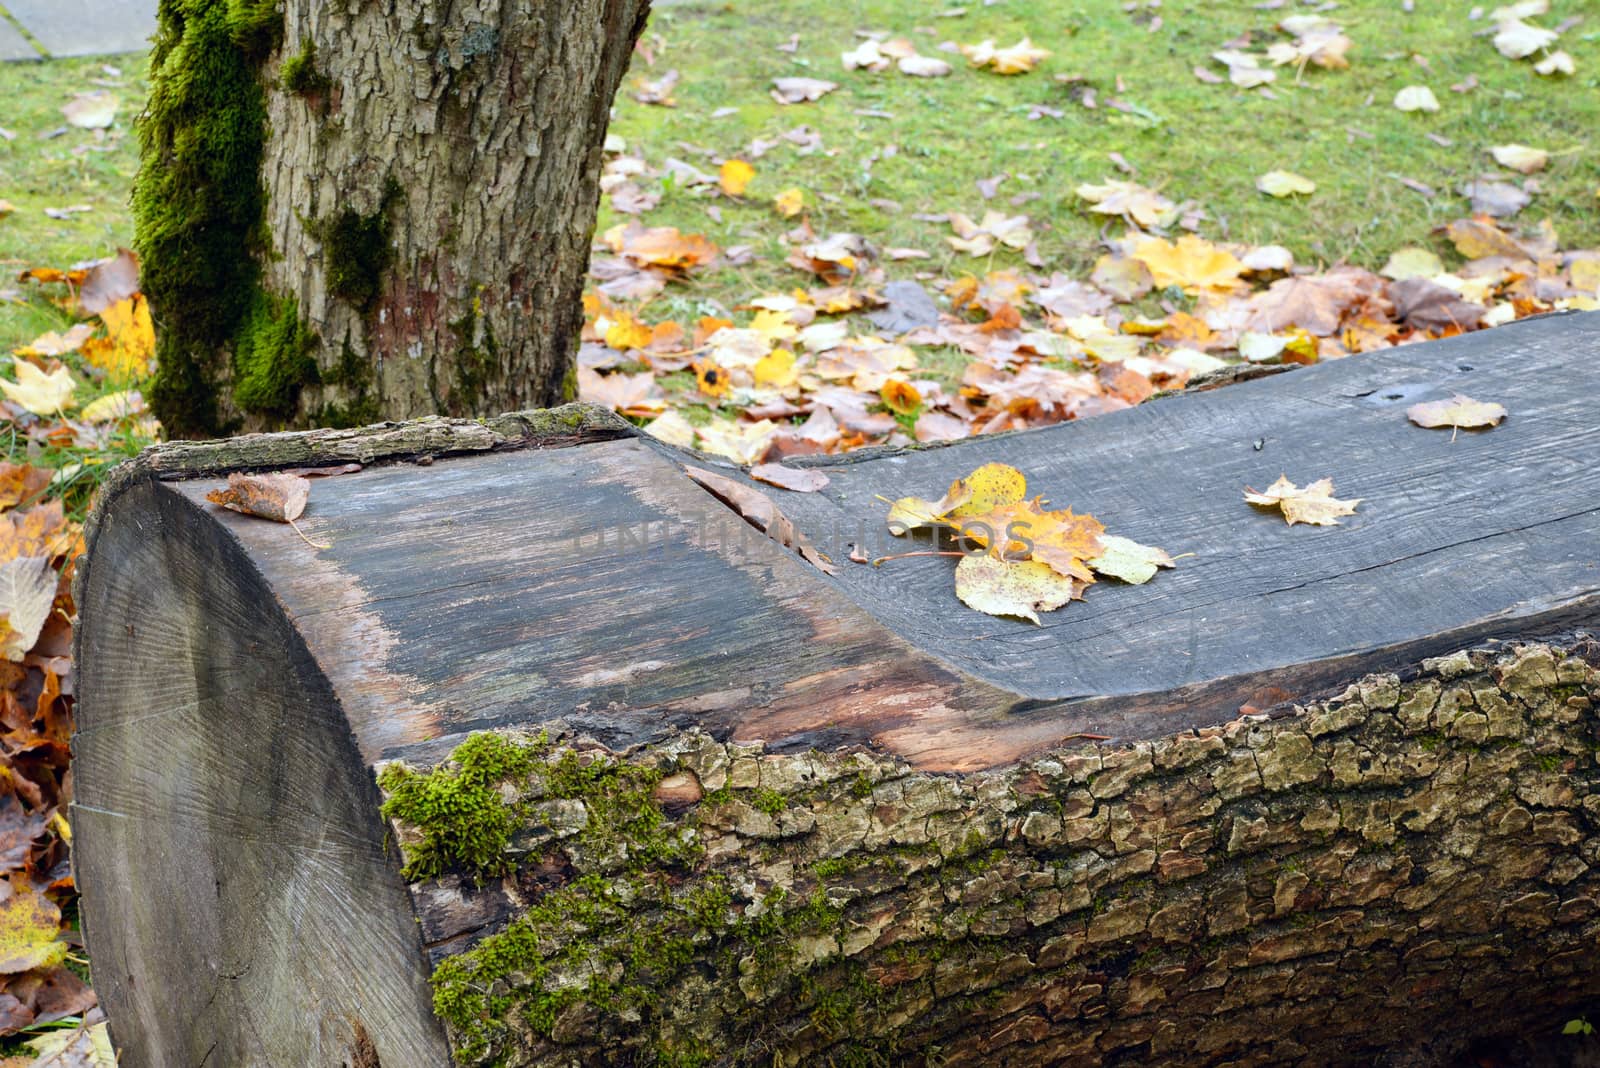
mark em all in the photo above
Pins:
pixel 222 816
pixel 519 587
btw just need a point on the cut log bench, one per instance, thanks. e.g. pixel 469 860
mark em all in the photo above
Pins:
pixel 536 758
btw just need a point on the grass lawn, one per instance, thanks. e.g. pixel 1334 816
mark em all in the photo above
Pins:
pixel 923 144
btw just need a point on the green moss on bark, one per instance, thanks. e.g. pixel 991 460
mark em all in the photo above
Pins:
pixel 357 250
pixel 477 354
pixel 272 358
pixel 622 933
pixel 464 821
pixel 198 202
pixel 354 376
pixel 299 73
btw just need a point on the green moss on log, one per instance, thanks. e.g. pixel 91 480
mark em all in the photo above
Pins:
pixel 463 819
pixel 620 933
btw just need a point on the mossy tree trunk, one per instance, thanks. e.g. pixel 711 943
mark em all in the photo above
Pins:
pixel 353 211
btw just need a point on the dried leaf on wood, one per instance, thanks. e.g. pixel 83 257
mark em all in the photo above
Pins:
pixel 1459 411
pixel 1126 559
pixel 796 479
pixel 1022 588
pixel 1313 504
pixel 279 497
pixel 759 511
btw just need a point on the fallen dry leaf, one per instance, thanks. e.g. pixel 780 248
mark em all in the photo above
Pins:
pixel 1516 39
pixel 795 479
pixel 996 228
pixel 1021 588
pixel 109 281
pixel 801 90
pixel 1244 69
pixel 1134 202
pixel 1413 262
pixel 1557 62
pixel 1416 98
pixel 1125 559
pixel 29 924
pixel 759 511
pixel 129 348
pixel 91 111
pixel 789 203
pixel 1020 58
pixel 1313 504
pixel 1426 305
pixel 27 590
pixel 1192 263
pixel 38 392
pixel 20 483
pixel 1520 157
pixel 735 177
pixel 1285 184
pixel 279 497
pixel 112 407
pixel 1458 412
pixel 87 1046
pixel 924 67
pixel 52 344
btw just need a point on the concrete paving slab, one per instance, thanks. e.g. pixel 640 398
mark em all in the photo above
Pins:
pixel 87 27
pixel 13 45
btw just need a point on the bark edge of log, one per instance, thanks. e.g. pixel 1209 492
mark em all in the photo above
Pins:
pixel 1326 881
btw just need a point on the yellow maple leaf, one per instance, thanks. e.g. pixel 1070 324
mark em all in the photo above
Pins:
pixel 1313 504
pixel 776 370
pixel 130 346
pixel 1020 58
pixel 626 332
pixel 1135 202
pixel 39 393
pixel 775 326
pixel 735 177
pixel 1125 559
pixel 1193 263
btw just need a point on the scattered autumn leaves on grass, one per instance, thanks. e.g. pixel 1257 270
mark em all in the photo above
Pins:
pixel 802 376
pixel 1032 559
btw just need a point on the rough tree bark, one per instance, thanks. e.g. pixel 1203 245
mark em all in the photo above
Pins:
pixel 353 211
pixel 527 758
